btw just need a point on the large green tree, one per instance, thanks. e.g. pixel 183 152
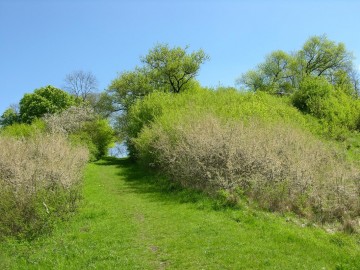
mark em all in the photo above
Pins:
pixel 163 69
pixel 45 100
pixel 274 75
pixel 319 57
pixel 171 69
pixel 129 86
pixel 322 57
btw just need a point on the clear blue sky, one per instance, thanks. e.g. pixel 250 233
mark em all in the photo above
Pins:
pixel 43 40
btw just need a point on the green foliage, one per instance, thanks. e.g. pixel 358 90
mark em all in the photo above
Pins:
pixel 320 80
pixel 22 130
pixel 171 69
pixel 164 69
pixel 82 138
pixel 101 103
pixel 227 104
pixel 128 87
pixel 312 92
pixel 101 135
pixel 275 75
pixel 85 127
pixel 46 100
pixel 9 117
pixel 211 140
pixel 338 111
pixel 319 57
pixel 345 83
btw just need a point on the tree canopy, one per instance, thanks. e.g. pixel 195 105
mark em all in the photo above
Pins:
pixel 43 101
pixel 9 117
pixel 170 69
pixel 319 57
pixel 322 57
pixel 163 69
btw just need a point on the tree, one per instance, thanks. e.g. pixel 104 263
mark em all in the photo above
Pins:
pixel 101 103
pixel 322 57
pixel 9 117
pixel 173 68
pixel 80 84
pixel 101 135
pixel 128 87
pixel 342 81
pixel 274 75
pixel 46 100
pixel 282 72
pixel 164 69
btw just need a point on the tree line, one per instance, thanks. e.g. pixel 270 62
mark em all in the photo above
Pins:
pixel 321 70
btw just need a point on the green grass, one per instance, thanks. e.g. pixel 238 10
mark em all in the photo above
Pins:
pixel 129 219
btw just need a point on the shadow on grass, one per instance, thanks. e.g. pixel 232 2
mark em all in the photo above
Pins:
pixel 157 188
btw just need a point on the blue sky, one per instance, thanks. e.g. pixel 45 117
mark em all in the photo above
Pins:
pixel 43 40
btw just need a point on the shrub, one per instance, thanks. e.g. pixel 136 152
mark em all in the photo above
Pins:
pixel 83 127
pixel 21 130
pixel 338 110
pixel 101 135
pixel 225 104
pixel 280 167
pixel 69 121
pixel 253 143
pixel 40 183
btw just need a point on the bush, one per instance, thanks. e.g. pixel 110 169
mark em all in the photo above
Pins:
pixel 256 143
pixel 225 104
pixel 338 110
pixel 280 167
pixel 101 135
pixel 21 130
pixel 40 183
pixel 83 127
pixel 69 121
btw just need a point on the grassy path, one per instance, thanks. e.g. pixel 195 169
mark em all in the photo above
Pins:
pixel 128 222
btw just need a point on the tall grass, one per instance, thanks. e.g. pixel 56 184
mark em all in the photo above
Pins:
pixel 40 180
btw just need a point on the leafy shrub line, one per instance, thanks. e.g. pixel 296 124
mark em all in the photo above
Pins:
pixel 280 167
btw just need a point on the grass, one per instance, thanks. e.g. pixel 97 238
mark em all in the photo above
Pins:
pixel 129 219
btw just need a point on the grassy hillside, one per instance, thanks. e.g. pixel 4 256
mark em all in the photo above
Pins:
pixel 253 144
pixel 130 219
